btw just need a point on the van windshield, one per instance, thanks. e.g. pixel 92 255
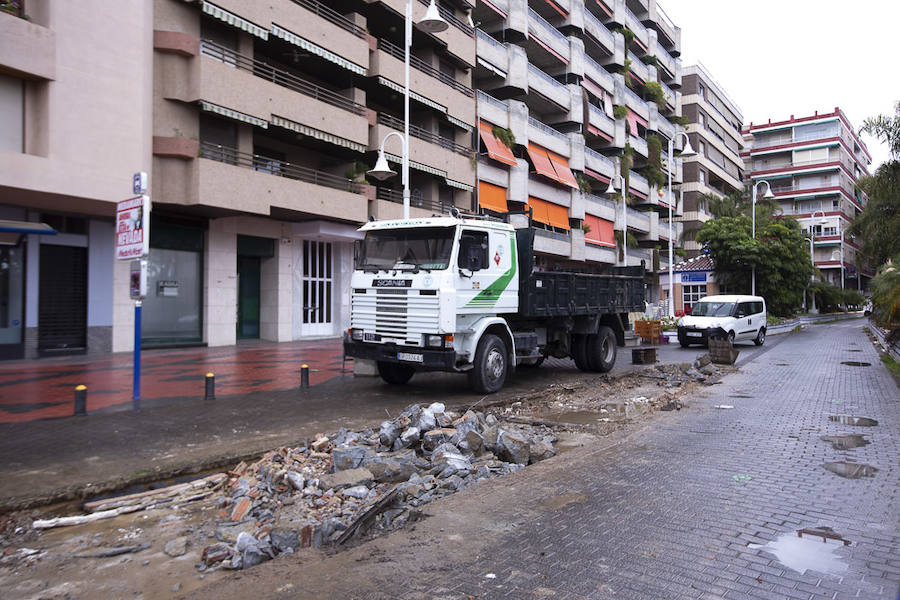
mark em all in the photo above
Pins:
pixel 423 248
pixel 712 309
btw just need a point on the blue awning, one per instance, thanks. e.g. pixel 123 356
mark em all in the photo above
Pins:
pixel 11 232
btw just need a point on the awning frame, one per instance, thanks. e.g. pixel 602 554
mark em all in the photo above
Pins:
pixel 317 134
pixel 234 20
pixel 233 114
pixel 319 51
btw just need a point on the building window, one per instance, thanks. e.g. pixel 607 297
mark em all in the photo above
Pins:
pixel 691 294
pixel 836 204
pixel 702 147
pixel 701 176
pixel 701 89
pixel 12 114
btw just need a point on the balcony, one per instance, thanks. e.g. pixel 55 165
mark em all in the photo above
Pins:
pixel 600 34
pixel 552 242
pixel 427 205
pixel 599 254
pixel 637 221
pixel 549 36
pixel 622 15
pixel 427 148
pixel 600 76
pixel 598 163
pixel 639 69
pixel 493 110
pixel 457 37
pixel 549 138
pixel 227 179
pixel 670 35
pixel 548 87
pixel 625 96
pixel 492 52
pixel 600 207
pixel 27 48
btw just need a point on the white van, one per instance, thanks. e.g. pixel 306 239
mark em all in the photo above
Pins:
pixel 738 318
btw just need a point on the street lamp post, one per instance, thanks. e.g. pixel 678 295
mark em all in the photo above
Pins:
pixel 610 191
pixel 687 151
pixel 430 23
pixel 812 261
pixel 768 195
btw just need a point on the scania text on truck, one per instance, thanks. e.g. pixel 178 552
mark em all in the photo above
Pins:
pixel 461 294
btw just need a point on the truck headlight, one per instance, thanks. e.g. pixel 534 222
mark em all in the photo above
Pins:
pixel 434 341
pixel 356 334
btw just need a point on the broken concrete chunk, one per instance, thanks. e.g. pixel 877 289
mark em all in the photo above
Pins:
pixel 322 444
pixel 435 437
pixel 436 408
pixel 349 457
pixel 388 433
pixel 296 480
pixel 215 554
pixel 541 449
pixel 708 369
pixel 357 491
pixel 176 547
pixel 513 447
pixel 392 467
pixel 284 540
pixel 489 435
pixel 348 478
pixel 703 360
pixel 474 442
pixel 410 436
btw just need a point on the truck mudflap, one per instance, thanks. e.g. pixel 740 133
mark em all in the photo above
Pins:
pixel 425 358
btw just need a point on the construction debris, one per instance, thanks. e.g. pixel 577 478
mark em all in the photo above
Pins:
pixel 336 487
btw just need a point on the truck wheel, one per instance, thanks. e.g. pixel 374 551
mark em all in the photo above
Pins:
pixel 490 365
pixel 395 374
pixel 601 350
pixel 579 352
pixel 760 337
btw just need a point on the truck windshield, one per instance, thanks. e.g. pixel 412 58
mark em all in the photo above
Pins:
pixel 424 248
pixel 712 309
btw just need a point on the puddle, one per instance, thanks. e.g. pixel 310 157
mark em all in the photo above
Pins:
pixel 850 470
pixel 858 421
pixel 854 350
pixel 563 500
pixel 845 442
pixel 804 554
pixel 855 363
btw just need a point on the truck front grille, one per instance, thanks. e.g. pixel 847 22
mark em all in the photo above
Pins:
pixel 399 316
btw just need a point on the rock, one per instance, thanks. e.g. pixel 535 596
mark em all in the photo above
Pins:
pixel 215 554
pixel 708 369
pixel 512 447
pixel 409 437
pixel 388 433
pixel 703 360
pixel 349 457
pixel 436 408
pixel 176 547
pixel 295 479
pixel 348 478
pixel 244 541
pixel 357 491
pixel 397 466
pixel 413 490
pixel 490 421
pixel 474 442
pixel 453 483
pixel 230 533
pixel 489 436
pixel 345 437
pixel 426 421
pixel 252 556
pixel 322 444
pixel 435 437
pixel 695 374
pixel 449 455
pixel 284 540
pixel 541 449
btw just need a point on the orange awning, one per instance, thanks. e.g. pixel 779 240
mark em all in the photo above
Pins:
pixel 563 172
pixel 601 231
pixel 495 148
pixel 549 213
pixel 559 215
pixel 492 197
pixel 541 161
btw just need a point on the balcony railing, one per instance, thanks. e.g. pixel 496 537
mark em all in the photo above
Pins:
pixel 554 235
pixel 533 70
pixel 482 36
pixel 451 18
pixel 280 77
pixel 488 99
pixel 332 17
pixel 540 27
pixel 594 71
pixel 423 134
pixel 418 201
pixel 274 166
pixel 605 202
pixel 599 157
pixel 547 129
pixel 423 66
pixel 596 29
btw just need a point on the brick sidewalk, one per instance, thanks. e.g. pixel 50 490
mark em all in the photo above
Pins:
pixel 40 389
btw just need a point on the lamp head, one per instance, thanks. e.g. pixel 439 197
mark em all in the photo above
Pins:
pixel 432 22
pixel 687 150
pixel 381 171
pixel 611 190
pixel 769 195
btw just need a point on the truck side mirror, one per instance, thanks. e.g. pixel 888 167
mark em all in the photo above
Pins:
pixel 473 257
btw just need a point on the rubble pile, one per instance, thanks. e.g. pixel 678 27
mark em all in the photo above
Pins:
pixel 329 489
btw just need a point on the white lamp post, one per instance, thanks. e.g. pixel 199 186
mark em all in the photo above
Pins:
pixel 430 23
pixel 768 195
pixel 611 190
pixel 812 260
pixel 687 151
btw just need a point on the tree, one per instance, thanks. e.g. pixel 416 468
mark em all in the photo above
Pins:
pixel 779 253
pixel 886 128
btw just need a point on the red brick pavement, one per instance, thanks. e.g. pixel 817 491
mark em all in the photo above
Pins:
pixel 40 389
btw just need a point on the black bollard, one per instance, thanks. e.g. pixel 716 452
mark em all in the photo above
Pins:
pixel 304 376
pixel 80 401
pixel 210 393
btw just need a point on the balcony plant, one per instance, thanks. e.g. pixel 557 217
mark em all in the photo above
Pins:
pixel 583 184
pixel 505 135
pixel 653 91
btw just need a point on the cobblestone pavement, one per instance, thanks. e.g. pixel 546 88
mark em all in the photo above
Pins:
pixel 685 507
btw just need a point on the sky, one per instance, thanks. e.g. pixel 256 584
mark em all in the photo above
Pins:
pixel 777 58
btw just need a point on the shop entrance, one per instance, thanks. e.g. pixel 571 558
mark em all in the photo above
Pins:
pixel 62 300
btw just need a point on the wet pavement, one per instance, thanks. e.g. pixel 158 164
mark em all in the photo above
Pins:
pixel 699 503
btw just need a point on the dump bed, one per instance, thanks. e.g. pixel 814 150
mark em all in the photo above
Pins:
pixel 563 294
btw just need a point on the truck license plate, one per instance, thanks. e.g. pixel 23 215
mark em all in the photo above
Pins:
pixel 409 357
pixel 694 334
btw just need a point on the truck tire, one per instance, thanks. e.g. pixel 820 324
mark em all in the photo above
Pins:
pixel 601 350
pixel 579 352
pixel 490 365
pixel 395 374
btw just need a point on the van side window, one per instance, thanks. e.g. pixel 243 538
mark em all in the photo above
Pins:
pixel 744 308
pixel 757 307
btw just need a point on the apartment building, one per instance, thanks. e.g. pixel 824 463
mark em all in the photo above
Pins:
pixel 256 123
pixel 566 89
pixel 812 164
pixel 715 130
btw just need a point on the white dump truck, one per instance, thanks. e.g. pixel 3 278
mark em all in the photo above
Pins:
pixel 461 294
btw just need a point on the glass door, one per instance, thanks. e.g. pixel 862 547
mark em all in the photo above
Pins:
pixel 11 295
pixel 316 282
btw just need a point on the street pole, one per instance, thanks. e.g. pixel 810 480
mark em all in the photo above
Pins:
pixel 624 220
pixel 769 194
pixel 405 163
pixel 686 151
pixel 136 383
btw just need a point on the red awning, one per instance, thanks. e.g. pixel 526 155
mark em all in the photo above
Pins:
pixel 495 148
pixel 492 197
pixel 549 213
pixel 600 231
pixel 563 172
pixel 542 164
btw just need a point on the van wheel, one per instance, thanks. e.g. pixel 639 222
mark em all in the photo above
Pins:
pixel 601 350
pixel 731 337
pixel 684 343
pixel 490 366
pixel 580 351
pixel 395 374
pixel 760 337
